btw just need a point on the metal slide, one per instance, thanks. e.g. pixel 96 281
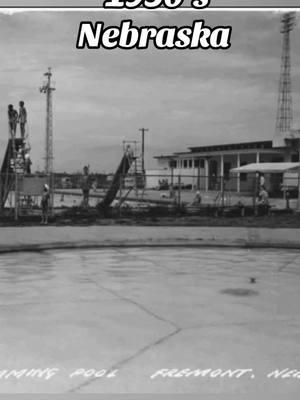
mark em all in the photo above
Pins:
pixel 122 170
pixel 7 171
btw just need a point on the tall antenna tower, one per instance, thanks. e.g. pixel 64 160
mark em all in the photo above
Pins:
pixel 285 103
pixel 47 88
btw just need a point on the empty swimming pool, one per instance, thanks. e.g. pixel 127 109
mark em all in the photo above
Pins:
pixel 131 313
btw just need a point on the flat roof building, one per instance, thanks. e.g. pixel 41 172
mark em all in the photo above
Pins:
pixel 204 166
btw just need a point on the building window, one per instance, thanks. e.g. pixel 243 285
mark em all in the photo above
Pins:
pixel 199 163
pixel 295 157
pixel 190 163
pixel 185 164
pixel 173 164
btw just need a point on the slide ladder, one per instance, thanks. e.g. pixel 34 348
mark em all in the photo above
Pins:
pixel 138 175
pixel 7 173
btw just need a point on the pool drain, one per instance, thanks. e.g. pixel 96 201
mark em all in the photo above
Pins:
pixel 240 292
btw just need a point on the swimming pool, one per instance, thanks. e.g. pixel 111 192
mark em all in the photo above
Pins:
pixel 140 310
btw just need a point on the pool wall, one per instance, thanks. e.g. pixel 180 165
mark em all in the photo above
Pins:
pixel 52 237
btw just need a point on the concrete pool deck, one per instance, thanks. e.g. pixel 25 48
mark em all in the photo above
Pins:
pixel 54 237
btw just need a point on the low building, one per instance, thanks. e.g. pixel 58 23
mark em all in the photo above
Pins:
pixel 207 167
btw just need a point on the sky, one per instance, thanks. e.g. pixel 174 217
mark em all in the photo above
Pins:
pixel 184 97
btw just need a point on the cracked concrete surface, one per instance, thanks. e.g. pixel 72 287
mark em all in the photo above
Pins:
pixel 140 310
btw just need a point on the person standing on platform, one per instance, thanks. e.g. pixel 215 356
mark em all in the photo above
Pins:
pixel 129 152
pixel 12 120
pixel 22 118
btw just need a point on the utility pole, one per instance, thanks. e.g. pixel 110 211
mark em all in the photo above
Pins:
pixel 47 89
pixel 143 130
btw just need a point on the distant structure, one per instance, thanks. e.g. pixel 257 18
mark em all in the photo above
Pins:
pixel 47 88
pixel 206 166
pixel 285 102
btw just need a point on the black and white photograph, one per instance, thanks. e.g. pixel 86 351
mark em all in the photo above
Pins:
pixel 150 198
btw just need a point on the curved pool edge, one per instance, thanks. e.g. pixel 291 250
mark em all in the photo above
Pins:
pixel 15 239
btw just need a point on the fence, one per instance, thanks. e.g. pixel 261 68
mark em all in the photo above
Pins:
pixel 164 188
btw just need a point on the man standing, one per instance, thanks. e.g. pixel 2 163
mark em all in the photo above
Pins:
pixel 12 120
pixel 22 118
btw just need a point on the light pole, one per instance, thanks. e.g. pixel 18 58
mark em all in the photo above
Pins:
pixel 143 130
pixel 47 89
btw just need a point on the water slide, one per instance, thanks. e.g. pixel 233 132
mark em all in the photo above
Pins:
pixel 123 168
pixel 7 172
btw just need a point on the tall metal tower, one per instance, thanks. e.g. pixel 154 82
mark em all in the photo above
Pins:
pixel 47 88
pixel 285 103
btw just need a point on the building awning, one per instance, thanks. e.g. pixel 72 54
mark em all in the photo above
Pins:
pixel 273 167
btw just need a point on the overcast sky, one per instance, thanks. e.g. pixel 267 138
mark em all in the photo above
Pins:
pixel 185 98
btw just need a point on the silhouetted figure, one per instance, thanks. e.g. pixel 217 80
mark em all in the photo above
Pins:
pixel 22 118
pixel 12 120
pixel 129 151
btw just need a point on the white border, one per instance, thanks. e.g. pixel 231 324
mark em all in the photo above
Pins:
pixel 11 10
